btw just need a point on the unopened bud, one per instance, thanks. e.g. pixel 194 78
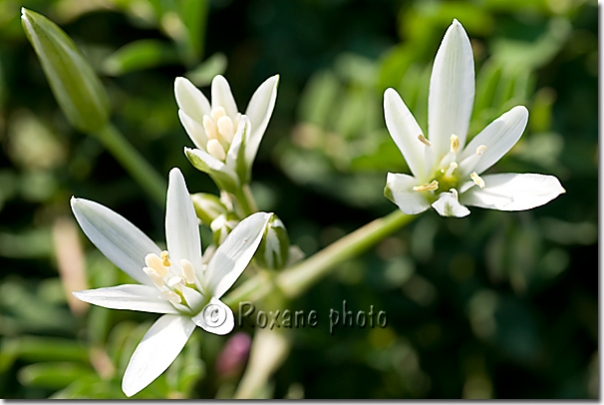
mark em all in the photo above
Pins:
pixel 222 226
pixel 273 252
pixel 208 207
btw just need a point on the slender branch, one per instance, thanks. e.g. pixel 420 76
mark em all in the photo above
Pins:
pixel 146 176
pixel 297 279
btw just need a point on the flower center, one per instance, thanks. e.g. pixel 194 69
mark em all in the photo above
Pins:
pixel 220 130
pixel 170 278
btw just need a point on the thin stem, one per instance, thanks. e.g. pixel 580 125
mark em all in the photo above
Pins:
pixel 246 200
pixel 133 162
pixel 297 279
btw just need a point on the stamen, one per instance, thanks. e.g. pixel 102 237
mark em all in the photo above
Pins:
pixel 171 296
pixel 175 281
pixel 165 258
pixel 423 140
pixel 455 194
pixel 427 187
pixel 451 169
pixel 153 261
pixel 477 179
pixel 480 150
pixel 188 271
pixel 210 127
pixel 225 127
pixel 215 149
pixel 155 278
pixel 454 143
pixel 218 112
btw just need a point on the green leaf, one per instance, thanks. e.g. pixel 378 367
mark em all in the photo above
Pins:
pixel 139 55
pixel 52 375
pixel 74 84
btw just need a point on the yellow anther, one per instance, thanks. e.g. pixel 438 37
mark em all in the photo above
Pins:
pixel 165 258
pixel 454 143
pixel 423 140
pixel 477 179
pixel 218 112
pixel 480 150
pixel 153 261
pixel 210 127
pixel 215 149
pixel 154 277
pixel 427 187
pixel 225 127
pixel 451 169
pixel 187 271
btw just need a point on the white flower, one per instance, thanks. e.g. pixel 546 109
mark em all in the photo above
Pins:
pixel 173 282
pixel 226 140
pixel 446 171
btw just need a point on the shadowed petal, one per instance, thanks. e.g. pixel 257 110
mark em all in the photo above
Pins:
pixel 194 130
pixel 116 237
pixel 448 205
pixel 399 190
pixel 158 349
pixel 451 90
pixel 514 192
pixel 133 297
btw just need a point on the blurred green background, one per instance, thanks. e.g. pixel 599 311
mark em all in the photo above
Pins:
pixel 495 305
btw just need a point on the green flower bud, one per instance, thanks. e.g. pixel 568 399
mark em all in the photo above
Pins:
pixel 74 84
pixel 222 226
pixel 208 207
pixel 273 252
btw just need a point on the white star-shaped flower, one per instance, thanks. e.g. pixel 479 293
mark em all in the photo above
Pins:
pixel 226 140
pixel 446 171
pixel 174 282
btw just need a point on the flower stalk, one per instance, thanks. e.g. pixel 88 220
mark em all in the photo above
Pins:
pixel 297 279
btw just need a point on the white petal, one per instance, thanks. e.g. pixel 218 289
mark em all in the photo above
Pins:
pixel 404 130
pixel 193 297
pixel 218 170
pixel 222 96
pixel 499 137
pixel 451 90
pixel 400 187
pixel 133 297
pixel 448 205
pixel 194 130
pixel 259 111
pixel 235 253
pixel 514 192
pixel 216 318
pixel 116 237
pixel 158 349
pixel 182 229
pixel 190 99
pixel 241 136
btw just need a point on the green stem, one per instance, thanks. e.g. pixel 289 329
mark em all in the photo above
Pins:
pixel 297 279
pixel 134 163
pixel 246 200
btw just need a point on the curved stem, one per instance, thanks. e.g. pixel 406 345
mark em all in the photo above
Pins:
pixel 246 201
pixel 134 163
pixel 297 279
